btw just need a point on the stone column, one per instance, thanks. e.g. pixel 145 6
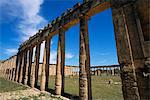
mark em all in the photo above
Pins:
pixel 45 66
pixel 13 74
pixel 12 69
pixel 9 74
pixel 47 62
pixel 84 61
pixel 142 11
pixel 17 67
pixel 30 65
pixel 24 65
pixel 32 72
pixel 37 53
pixel 5 73
pixel 128 49
pixel 113 71
pixel 26 68
pixel 20 63
pixel 35 65
pixel 59 81
pixel 21 68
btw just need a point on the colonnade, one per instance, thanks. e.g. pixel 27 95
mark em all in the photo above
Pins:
pixel 7 68
pixel 108 70
pixel 27 72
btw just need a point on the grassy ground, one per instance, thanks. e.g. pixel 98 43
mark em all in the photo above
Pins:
pixel 8 86
pixel 101 90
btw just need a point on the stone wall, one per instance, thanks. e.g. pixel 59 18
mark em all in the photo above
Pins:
pixel 7 67
pixel 10 64
pixel 69 70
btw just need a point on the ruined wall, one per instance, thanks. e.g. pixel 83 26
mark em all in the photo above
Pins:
pixel 7 67
pixel 69 70
pixel 10 64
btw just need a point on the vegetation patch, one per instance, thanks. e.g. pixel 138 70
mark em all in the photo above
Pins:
pixel 41 96
pixel 102 88
pixel 8 86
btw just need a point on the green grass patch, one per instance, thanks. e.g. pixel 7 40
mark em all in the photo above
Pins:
pixel 8 86
pixel 100 87
pixel 42 96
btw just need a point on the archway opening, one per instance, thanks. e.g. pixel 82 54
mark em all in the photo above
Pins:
pixel 105 70
pixel 72 62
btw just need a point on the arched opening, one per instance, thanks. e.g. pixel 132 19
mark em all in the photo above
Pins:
pixel 72 62
pixel 105 71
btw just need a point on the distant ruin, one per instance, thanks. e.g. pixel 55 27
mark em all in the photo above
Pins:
pixel 9 71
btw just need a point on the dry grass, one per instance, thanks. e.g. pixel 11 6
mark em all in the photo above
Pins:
pixel 101 90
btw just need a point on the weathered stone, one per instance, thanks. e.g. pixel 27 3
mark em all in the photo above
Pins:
pixel 84 61
pixel 45 65
pixel 30 65
pixel 26 67
pixel 59 81
pixel 37 63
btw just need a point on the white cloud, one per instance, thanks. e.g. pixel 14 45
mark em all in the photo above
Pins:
pixel 11 51
pixel 52 42
pixel 42 51
pixel 53 57
pixel 27 11
pixel 69 55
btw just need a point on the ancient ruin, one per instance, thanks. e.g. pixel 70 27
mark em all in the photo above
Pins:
pixel 131 24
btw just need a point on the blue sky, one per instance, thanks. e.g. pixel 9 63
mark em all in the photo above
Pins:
pixel 20 19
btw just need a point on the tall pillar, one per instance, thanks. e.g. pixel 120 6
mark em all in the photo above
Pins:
pixel 59 81
pixel 17 67
pixel 142 11
pixel 30 65
pixel 13 74
pixel 47 62
pixel 45 66
pixel 12 70
pixel 32 72
pixel 37 53
pixel 26 68
pixel 8 73
pixel 129 50
pixel 84 61
pixel 113 71
pixel 20 63
pixel 21 68
pixel 5 73
pixel 34 67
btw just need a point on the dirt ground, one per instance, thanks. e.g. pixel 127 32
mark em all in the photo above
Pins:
pixel 29 94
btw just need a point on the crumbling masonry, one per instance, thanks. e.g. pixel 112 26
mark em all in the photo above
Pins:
pixel 131 25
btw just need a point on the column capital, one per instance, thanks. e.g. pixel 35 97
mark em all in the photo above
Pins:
pixel 62 29
pixel 84 15
pixel 120 3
